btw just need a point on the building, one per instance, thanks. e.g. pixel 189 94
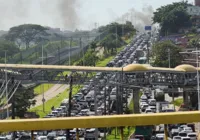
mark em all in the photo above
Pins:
pixel 194 11
pixel 197 2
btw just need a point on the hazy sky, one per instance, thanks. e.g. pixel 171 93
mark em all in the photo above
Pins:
pixel 71 14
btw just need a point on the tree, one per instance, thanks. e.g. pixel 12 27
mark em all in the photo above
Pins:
pixel 10 48
pixel 111 43
pixel 90 59
pixel 114 27
pixel 26 33
pixel 23 101
pixel 93 45
pixel 160 55
pixel 172 17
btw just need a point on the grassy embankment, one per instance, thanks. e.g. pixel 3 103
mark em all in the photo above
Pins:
pixel 54 102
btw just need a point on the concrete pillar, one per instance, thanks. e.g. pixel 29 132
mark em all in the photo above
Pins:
pixel 136 100
pixel 185 98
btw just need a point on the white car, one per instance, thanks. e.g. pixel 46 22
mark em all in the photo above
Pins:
pixel 185 138
pixel 143 97
pixel 193 136
pixel 177 138
pixel 42 138
pixel 187 129
pixel 148 110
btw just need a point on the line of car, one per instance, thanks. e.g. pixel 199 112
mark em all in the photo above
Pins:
pixel 83 103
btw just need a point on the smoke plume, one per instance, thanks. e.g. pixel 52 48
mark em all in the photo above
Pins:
pixel 68 13
pixel 138 18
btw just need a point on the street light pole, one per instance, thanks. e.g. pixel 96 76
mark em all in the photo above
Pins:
pixel 43 100
pixel 6 78
pixel 197 56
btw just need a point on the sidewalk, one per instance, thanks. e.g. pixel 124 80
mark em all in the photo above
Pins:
pixel 51 93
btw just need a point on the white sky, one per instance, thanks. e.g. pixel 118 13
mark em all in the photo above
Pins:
pixel 89 11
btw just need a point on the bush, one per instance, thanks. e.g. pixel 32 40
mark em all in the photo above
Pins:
pixel 160 97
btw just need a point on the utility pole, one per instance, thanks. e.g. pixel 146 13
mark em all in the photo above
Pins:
pixel 95 108
pixel 58 55
pixel 70 44
pixel 116 35
pixel 6 78
pixel 169 57
pixel 82 51
pixel 13 107
pixel 43 99
pixel 70 104
pixel 21 56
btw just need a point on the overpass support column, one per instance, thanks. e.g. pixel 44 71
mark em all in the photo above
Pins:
pixel 186 98
pixel 136 100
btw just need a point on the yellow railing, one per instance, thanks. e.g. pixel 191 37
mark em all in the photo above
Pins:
pixel 100 121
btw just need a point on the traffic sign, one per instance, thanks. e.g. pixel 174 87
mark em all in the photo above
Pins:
pixel 147 28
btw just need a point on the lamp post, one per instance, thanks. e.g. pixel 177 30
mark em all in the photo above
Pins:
pixel 197 61
pixel 6 78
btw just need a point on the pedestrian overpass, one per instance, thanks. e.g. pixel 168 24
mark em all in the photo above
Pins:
pixel 133 76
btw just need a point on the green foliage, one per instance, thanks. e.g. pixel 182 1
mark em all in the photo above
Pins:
pixel 23 101
pixel 112 28
pixel 8 46
pixel 160 55
pixel 27 33
pixel 90 59
pixel 178 102
pixel 127 132
pixel 172 17
pixel 93 45
pixel 194 43
pixel 39 89
pixel 111 42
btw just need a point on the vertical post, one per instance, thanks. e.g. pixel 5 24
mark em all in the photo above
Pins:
pixel 70 105
pixel 82 51
pixel 136 100
pixel 105 106
pixel 77 134
pixel 116 35
pixel 169 57
pixel 197 57
pixel 21 56
pixel 46 58
pixel 6 78
pixel 43 99
pixel 32 135
pixel 70 44
pixel 58 55
pixel 13 108
pixel 95 107
pixel 166 133
pixel 122 133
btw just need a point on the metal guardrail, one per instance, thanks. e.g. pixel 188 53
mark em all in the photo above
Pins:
pixel 100 121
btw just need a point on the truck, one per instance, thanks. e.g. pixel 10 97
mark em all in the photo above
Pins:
pixel 144 131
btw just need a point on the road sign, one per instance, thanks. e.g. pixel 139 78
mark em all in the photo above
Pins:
pixel 147 28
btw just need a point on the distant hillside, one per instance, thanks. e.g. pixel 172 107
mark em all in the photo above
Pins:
pixel 3 33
